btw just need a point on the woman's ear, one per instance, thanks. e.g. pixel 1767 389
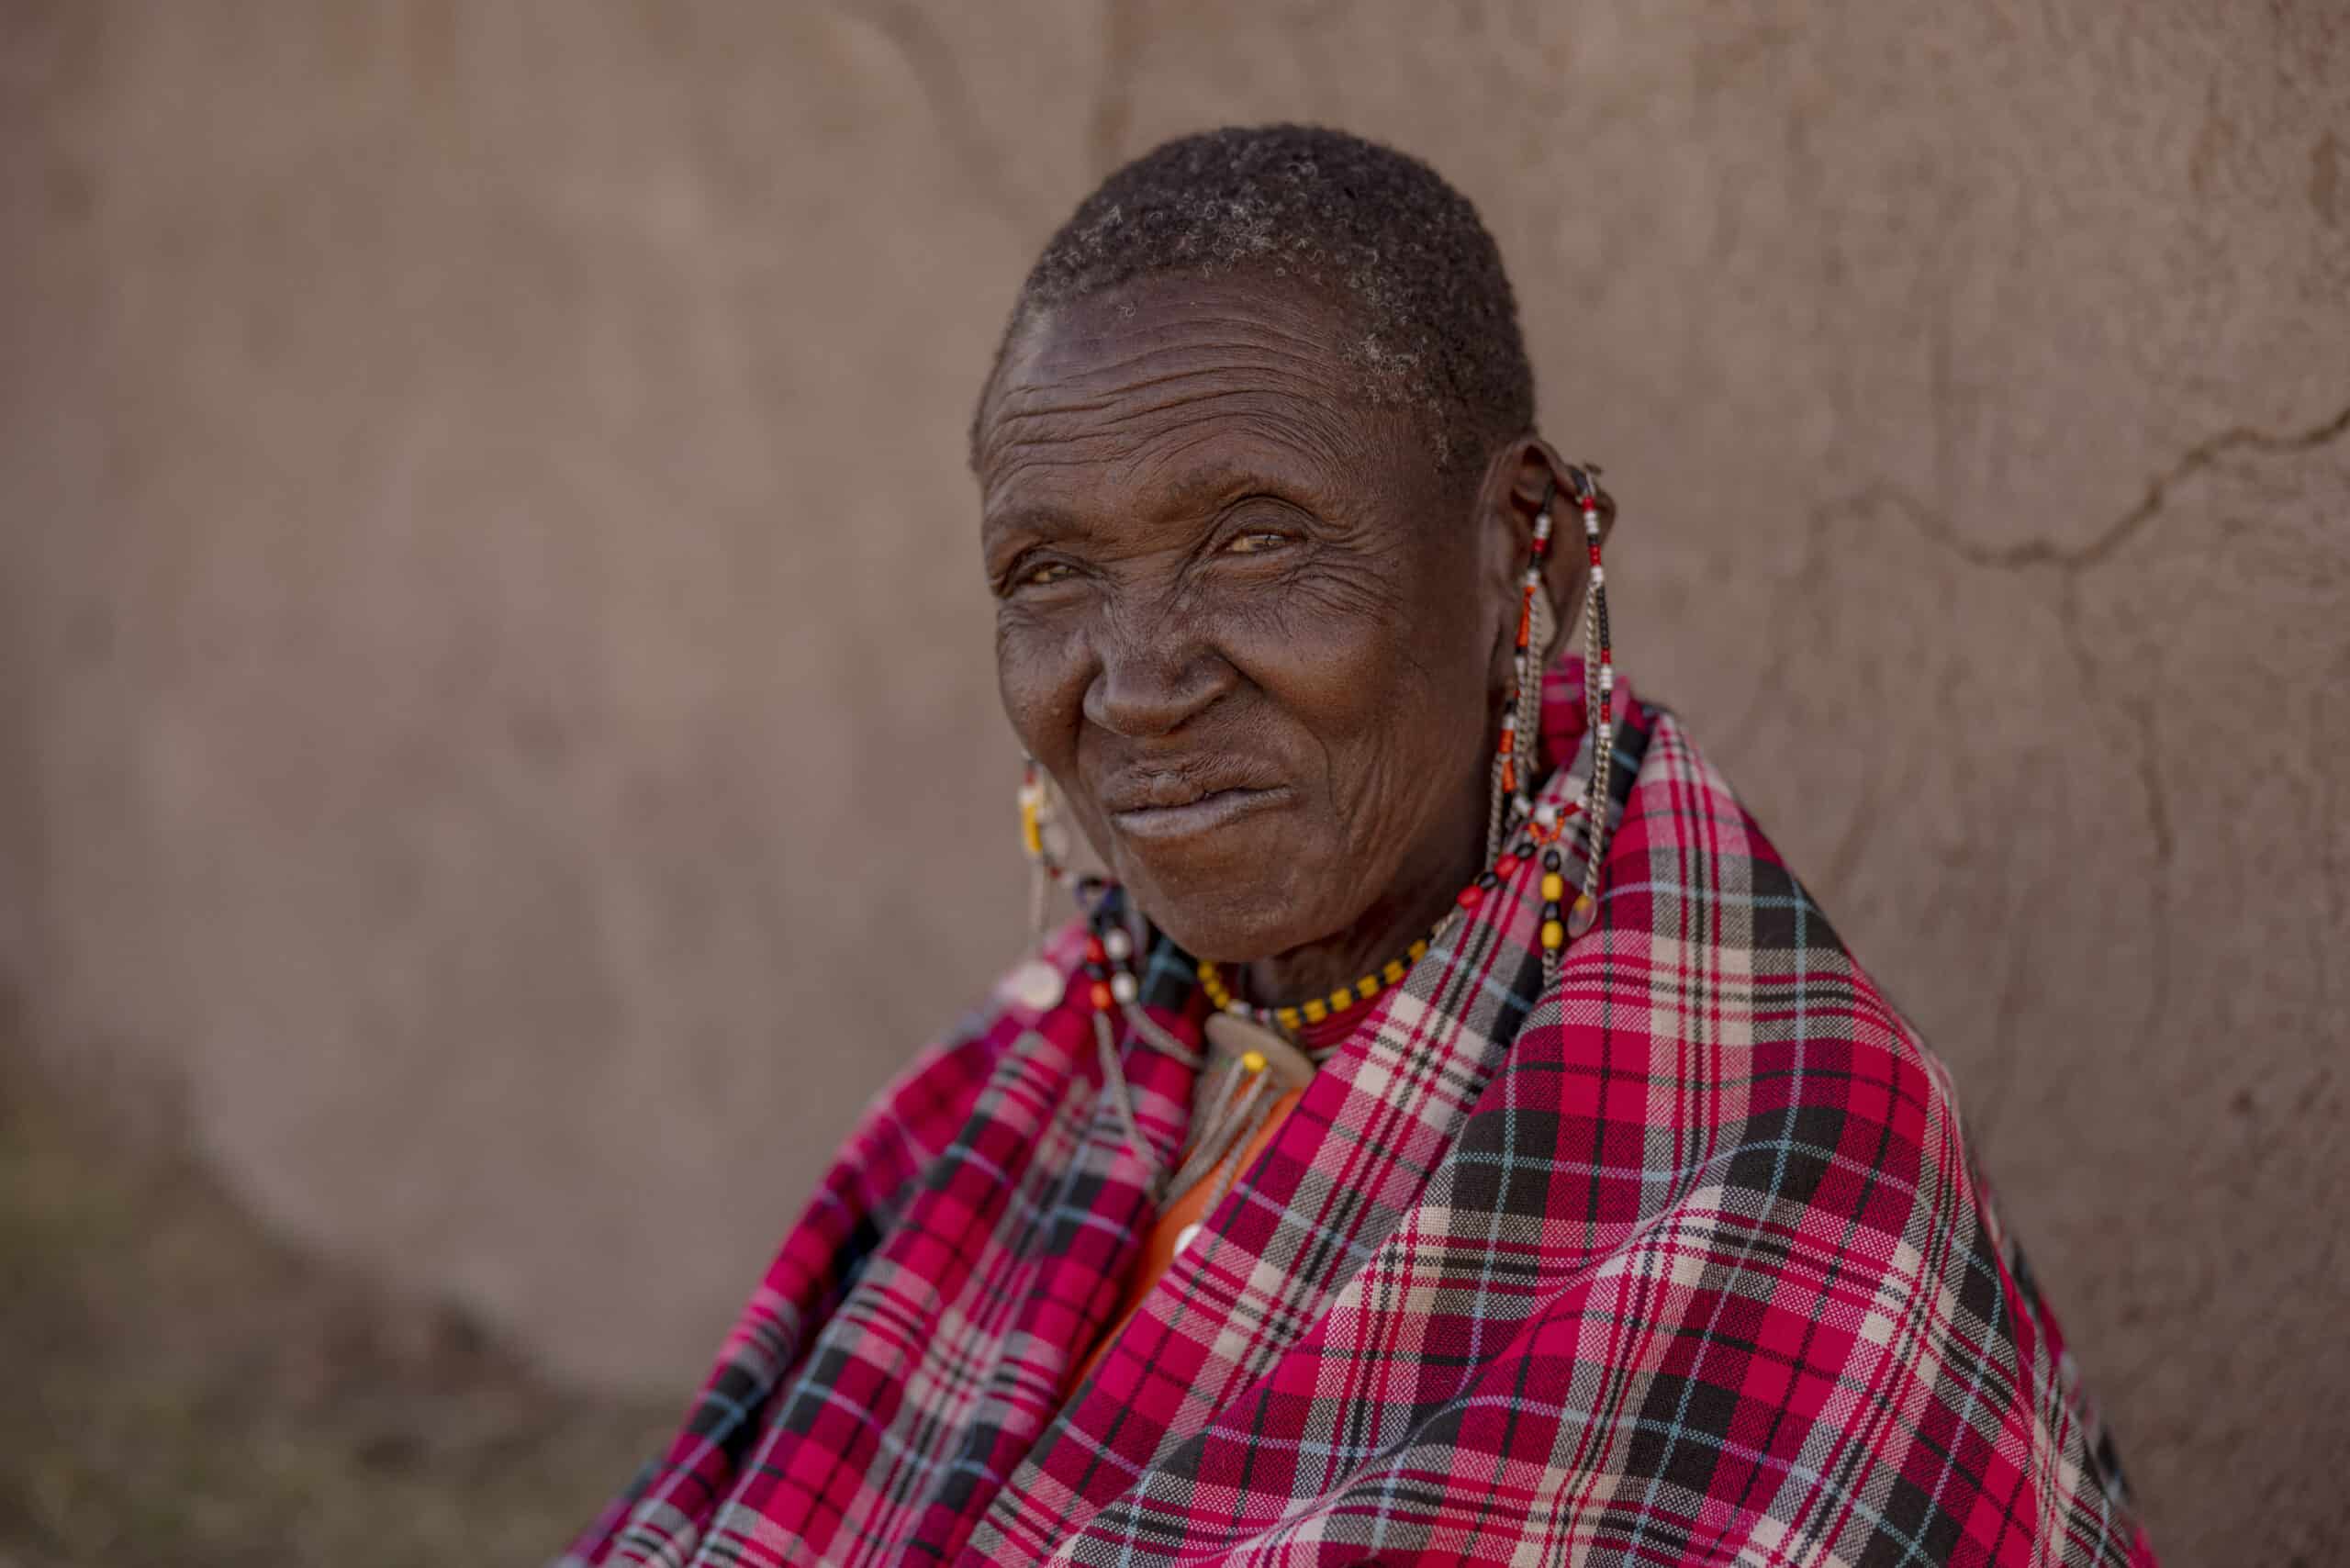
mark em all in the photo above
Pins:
pixel 1505 532
pixel 1528 475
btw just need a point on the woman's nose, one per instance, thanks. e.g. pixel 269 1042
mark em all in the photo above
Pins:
pixel 1157 674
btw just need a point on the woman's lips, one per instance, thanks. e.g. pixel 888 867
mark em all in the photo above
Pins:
pixel 1205 814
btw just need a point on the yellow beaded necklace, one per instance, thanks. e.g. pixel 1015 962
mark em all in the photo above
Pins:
pixel 1542 835
pixel 1314 1008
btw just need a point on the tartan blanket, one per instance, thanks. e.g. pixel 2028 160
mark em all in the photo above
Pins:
pixel 1680 1258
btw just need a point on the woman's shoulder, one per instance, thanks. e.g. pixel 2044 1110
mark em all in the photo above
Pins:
pixel 947 1073
pixel 1726 930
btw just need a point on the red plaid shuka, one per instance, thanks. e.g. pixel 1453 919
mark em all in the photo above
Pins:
pixel 1680 1259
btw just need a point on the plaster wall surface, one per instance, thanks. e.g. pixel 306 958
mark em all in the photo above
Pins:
pixel 496 717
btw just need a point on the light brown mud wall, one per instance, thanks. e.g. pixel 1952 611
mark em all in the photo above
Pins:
pixel 494 678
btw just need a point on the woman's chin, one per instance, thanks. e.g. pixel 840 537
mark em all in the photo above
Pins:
pixel 1235 925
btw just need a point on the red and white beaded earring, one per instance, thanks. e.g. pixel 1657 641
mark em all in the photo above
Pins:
pixel 1518 755
pixel 1599 701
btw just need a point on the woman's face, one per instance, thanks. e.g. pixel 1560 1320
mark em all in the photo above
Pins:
pixel 1241 620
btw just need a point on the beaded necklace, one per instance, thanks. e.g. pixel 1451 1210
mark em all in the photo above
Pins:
pixel 1542 830
pixel 1256 1044
pixel 1257 1065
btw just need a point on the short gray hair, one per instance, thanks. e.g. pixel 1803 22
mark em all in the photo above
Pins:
pixel 1403 250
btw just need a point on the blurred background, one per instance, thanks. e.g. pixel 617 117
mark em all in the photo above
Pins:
pixel 498 754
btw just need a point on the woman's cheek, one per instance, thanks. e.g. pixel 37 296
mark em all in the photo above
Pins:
pixel 1337 672
pixel 1031 685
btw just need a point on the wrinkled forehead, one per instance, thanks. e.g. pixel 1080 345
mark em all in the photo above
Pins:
pixel 1163 374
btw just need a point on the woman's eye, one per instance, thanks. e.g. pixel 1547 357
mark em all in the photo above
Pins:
pixel 1255 543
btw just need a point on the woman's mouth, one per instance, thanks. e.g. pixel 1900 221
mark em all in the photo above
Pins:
pixel 1203 814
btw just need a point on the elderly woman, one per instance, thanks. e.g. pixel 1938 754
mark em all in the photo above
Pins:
pixel 1449 1133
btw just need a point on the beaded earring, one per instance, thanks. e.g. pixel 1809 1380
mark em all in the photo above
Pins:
pixel 1036 983
pixel 1109 982
pixel 1516 758
pixel 1517 754
pixel 1599 702
pixel 1037 829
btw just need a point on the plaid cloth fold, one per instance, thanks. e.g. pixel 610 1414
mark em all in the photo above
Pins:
pixel 1680 1260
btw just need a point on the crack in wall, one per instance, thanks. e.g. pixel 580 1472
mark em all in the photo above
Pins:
pixel 2071 563
pixel 2150 778
pixel 2109 539
pixel 2333 878
pixel 2157 801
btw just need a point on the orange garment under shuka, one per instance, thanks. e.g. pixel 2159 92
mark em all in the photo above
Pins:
pixel 1159 1246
